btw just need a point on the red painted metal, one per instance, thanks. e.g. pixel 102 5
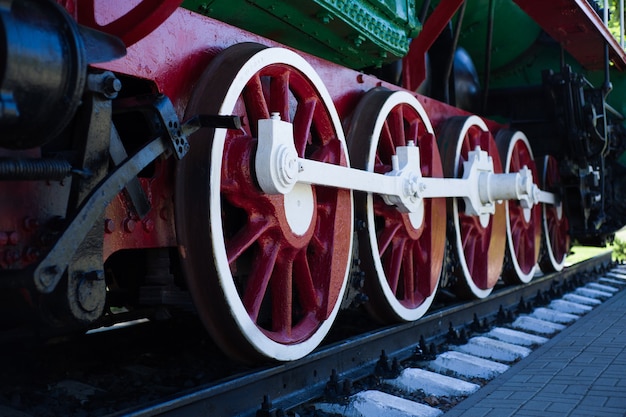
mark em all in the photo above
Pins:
pixel 526 234
pixel 174 63
pixel 28 225
pixel 558 228
pixel 156 229
pixel 482 247
pixel 133 25
pixel 578 28
pixel 174 55
pixel 293 271
pixel 414 63
pixel 415 254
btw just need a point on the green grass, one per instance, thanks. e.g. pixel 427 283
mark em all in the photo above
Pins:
pixel 581 253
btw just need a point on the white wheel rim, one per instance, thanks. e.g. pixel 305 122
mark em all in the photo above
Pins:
pixel 404 313
pixel 523 277
pixel 477 291
pixel 249 329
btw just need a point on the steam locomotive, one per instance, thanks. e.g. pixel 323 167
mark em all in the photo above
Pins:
pixel 270 163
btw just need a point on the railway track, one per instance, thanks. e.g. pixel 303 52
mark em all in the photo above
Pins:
pixel 172 368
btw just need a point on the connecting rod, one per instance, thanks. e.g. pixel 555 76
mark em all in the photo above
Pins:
pixel 279 168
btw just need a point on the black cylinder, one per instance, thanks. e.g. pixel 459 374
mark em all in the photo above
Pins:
pixel 42 72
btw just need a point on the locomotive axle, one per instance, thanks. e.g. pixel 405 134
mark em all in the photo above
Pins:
pixel 279 169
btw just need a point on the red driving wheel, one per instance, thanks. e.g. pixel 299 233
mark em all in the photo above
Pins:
pixel 401 253
pixel 556 238
pixel 267 272
pixel 523 225
pixel 477 243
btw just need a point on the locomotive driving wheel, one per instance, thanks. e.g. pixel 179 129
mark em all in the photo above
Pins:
pixel 267 272
pixel 402 253
pixel 477 242
pixel 523 225
pixel 556 239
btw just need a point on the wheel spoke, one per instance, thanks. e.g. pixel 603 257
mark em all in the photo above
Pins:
pixel 386 236
pixel 409 271
pixel 386 145
pixel 279 95
pixel 326 132
pixel 396 123
pixel 302 124
pixel 303 281
pixel 282 298
pixel 394 264
pixel 414 131
pixel 256 105
pixel 245 238
pixel 424 267
pixel 262 269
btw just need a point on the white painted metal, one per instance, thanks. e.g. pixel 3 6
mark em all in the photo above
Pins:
pixel 278 169
pixel 254 335
pixel 416 217
pixel 299 206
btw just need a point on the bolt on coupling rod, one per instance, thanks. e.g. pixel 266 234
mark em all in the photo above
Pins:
pixel 279 168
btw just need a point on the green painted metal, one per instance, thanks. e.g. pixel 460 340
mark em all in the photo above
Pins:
pixel 355 34
pixel 513 32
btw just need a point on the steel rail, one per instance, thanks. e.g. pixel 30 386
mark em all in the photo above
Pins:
pixel 294 383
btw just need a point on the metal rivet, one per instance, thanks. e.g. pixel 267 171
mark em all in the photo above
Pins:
pixel 109 226
pixel 129 225
pixel 148 225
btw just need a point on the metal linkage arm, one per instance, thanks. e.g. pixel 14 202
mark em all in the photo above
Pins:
pixel 279 168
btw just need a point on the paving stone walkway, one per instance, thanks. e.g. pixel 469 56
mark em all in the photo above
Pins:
pixel 579 373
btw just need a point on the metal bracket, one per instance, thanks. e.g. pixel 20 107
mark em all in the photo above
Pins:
pixel 51 268
pixel 168 125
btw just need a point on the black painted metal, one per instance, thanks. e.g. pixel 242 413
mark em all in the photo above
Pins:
pixel 290 384
pixel 43 69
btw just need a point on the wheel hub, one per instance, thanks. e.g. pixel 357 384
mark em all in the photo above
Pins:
pixel 299 207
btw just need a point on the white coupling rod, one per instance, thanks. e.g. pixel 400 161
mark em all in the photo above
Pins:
pixel 279 168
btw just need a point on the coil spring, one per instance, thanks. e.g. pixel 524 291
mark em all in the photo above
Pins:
pixel 34 169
